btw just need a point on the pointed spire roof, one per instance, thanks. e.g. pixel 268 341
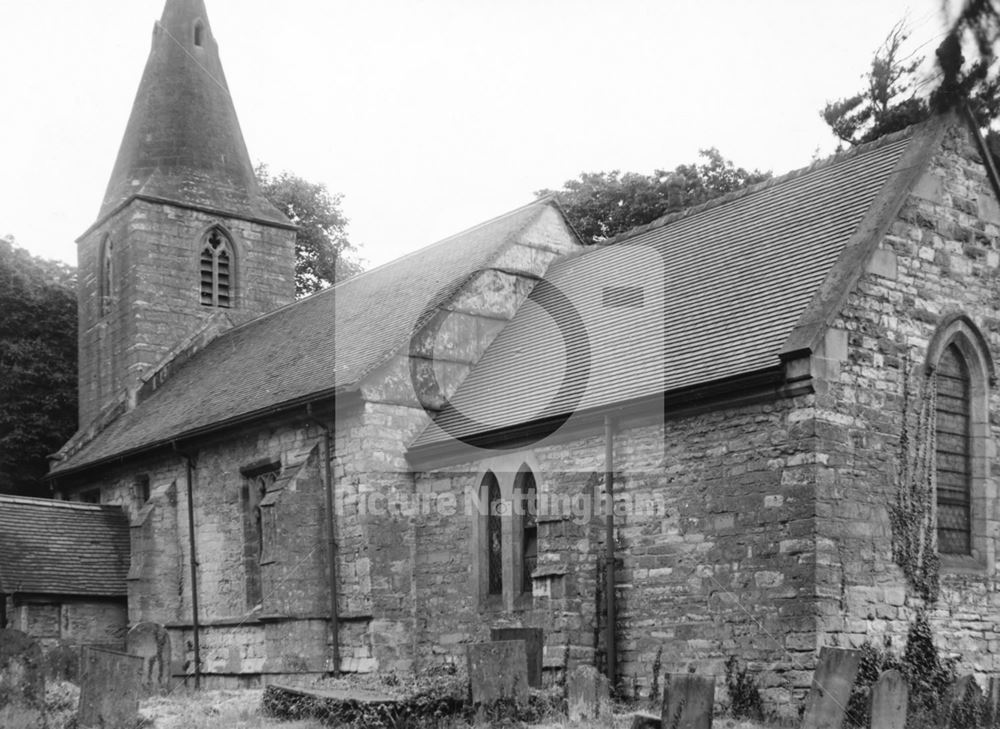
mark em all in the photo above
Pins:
pixel 183 141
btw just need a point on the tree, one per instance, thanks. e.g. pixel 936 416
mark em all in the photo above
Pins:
pixel 37 366
pixel 894 95
pixel 601 205
pixel 323 253
pixel 888 101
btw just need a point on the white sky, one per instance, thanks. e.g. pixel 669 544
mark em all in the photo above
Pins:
pixel 433 115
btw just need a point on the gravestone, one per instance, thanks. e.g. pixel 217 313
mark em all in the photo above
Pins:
pixel 22 681
pixel 534 642
pixel 889 697
pixel 964 701
pixel 588 695
pixel 831 688
pixel 151 642
pixel 498 670
pixel 109 690
pixel 688 700
pixel 62 663
pixel 993 698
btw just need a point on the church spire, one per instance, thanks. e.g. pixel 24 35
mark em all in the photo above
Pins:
pixel 183 142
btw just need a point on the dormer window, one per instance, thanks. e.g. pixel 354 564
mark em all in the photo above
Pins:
pixel 199 34
pixel 216 270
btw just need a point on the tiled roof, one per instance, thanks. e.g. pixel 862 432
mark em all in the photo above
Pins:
pixel 62 548
pixel 323 343
pixel 694 298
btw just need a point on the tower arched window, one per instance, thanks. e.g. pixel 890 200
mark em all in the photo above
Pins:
pixel 199 34
pixel 107 275
pixel 217 270
pixel 959 360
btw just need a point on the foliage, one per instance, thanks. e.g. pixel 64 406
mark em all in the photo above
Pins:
pixel 433 699
pixel 655 692
pixel 874 661
pixel 894 95
pixel 928 675
pixel 602 205
pixel 887 102
pixel 37 366
pixel 911 516
pixel 323 253
pixel 744 696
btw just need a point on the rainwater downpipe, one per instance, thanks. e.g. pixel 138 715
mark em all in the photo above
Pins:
pixel 331 542
pixel 189 462
pixel 609 545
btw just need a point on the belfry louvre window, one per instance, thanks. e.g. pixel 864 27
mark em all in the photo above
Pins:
pixel 217 270
pixel 953 453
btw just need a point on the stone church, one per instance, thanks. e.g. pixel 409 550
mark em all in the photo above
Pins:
pixel 368 479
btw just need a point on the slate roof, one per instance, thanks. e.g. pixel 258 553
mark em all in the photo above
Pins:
pixel 706 295
pixel 183 141
pixel 318 345
pixel 62 548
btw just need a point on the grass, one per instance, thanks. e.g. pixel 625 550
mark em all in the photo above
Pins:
pixel 240 709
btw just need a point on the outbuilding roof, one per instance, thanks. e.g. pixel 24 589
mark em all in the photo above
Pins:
pixel 53 547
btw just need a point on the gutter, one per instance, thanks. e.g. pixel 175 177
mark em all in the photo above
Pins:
pixel 609 548
pixel 331 543
pixel 348 398
pixel 193 549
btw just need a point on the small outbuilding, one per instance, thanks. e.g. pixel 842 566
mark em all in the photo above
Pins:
pixel 62 570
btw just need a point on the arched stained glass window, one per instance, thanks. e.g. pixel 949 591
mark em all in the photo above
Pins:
pixel 494 535
pixel 953 453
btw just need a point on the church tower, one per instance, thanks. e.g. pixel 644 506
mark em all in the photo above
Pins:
pixel 185 243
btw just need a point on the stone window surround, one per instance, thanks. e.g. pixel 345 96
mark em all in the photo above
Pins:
pixel 960 330
pixel 235 255
pixel 507 470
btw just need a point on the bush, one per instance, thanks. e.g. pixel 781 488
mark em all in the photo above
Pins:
pixel 744 696
pixel 874 661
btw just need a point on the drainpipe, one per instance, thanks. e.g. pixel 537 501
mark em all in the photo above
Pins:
pixel 609 544
pixel 194 567
pixel 331 543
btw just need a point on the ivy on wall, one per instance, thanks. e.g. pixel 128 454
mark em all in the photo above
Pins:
pixel 912 516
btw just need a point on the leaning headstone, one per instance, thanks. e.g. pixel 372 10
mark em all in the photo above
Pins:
pixel 22 681
pixel 109 690
pixel 964 703
pixel 688 700
pixel 588 695
pixel 151 642
pixel 889 697
pixel 62 663
pixel 533 644
pixel 498 670
pixel 831 688
pixel 642 720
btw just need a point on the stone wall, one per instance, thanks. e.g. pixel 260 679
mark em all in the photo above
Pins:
pixel 154 302
pixel 75 620
pixel 714 549
pixel 940 257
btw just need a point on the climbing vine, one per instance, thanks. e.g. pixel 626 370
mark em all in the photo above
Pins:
pixel 912 517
